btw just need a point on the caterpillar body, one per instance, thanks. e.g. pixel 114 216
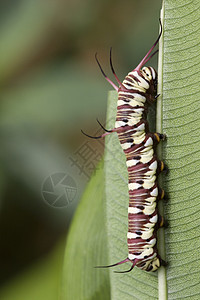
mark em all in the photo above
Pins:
pixel 135 93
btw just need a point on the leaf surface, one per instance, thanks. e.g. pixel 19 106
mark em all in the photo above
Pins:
pixel 178 117
pixel 87 247
pixel 181 123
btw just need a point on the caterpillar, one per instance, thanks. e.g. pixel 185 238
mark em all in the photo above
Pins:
pixel 135 93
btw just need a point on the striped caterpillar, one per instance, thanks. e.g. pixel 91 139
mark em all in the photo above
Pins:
pixel 137 90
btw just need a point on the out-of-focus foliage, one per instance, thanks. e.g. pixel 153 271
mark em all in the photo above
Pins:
pixel 40 281
pixel 51 87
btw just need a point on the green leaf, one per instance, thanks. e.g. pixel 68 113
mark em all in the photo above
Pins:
pixel 87 247
pixel 40 281
pixel 178 117
pixel 19 41
pixel 29 158
pixel 181 123
pixel 45 98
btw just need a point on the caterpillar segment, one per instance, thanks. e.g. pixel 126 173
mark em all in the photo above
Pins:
pixel 137 91
pixel 143 167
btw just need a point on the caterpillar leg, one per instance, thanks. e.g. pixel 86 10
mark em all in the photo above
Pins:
pixel 159 136
pixel 162 167
pixel 165 198
pixel 165 224
pixel 161 194
pixel 163 262
pixel 165 169
pixel 162 222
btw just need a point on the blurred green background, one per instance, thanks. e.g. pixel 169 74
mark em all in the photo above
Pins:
pixel 51 87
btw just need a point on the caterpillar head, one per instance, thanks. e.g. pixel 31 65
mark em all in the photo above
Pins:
pixel 149 73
